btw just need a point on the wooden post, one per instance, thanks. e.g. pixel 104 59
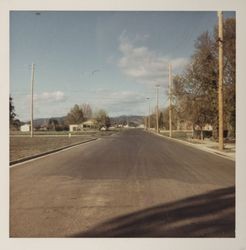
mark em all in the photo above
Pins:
pixel 157 108
pixel 32 82
pixel 220 85
pixel 170 100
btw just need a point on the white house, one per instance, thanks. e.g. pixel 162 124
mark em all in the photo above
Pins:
pixel 92 123
pixel 141 126
pixel 207 126
pixel 75 127
pixel 25 128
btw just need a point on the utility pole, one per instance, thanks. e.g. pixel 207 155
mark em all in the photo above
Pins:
pixel 148 120
pixel 32 82
pixel 149 115
pixel 170 100
pixel 220 85
pixel 157 108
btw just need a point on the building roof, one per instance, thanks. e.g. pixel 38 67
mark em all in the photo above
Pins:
pixel 90 122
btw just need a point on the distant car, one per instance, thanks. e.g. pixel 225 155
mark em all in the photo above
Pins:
pixel 103 129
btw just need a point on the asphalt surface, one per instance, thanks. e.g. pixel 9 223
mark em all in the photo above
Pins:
pixel 132 184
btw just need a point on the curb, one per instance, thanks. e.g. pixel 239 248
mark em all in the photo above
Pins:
pixel 215 152
pixel 48 152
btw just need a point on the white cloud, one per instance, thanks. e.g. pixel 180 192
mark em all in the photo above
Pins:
pixel 46 104
pixel 120 97
pixel 56 96
pixel 121 102
pixel 145 65
pixel 111 59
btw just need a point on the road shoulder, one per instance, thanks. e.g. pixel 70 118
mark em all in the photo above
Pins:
pixel 203 147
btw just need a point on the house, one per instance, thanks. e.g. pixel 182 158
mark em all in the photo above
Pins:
pixel 43 128
pixel 140 126
pixel 207 127
pixel 92 123
pixel 25 128
pixel 75 127
pixel 184 125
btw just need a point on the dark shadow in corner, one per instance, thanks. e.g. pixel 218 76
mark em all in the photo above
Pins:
pixel 207 215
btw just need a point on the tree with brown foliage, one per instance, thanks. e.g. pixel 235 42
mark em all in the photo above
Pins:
pixel 75 116
pixel 195 90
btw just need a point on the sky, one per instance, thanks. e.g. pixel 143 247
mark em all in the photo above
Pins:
pixel 110 60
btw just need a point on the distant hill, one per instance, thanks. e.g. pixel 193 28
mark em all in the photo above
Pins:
pixel 44 121
pixel 132 120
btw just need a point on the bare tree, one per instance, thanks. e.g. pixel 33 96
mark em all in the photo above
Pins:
pixel 102 118
pixel 87 111
pixel 195 90
pixel 75 116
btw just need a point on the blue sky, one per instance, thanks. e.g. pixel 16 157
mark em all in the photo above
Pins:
pixel 111 60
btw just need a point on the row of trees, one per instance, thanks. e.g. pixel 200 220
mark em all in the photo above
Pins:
pixel 195 91
pixel 77 115
pixel 81 113
pixel 14 123
pixel 164 119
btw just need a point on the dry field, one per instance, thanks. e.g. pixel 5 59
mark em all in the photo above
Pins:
pixel 25 146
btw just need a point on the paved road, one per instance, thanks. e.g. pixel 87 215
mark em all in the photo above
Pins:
pixel 133 184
